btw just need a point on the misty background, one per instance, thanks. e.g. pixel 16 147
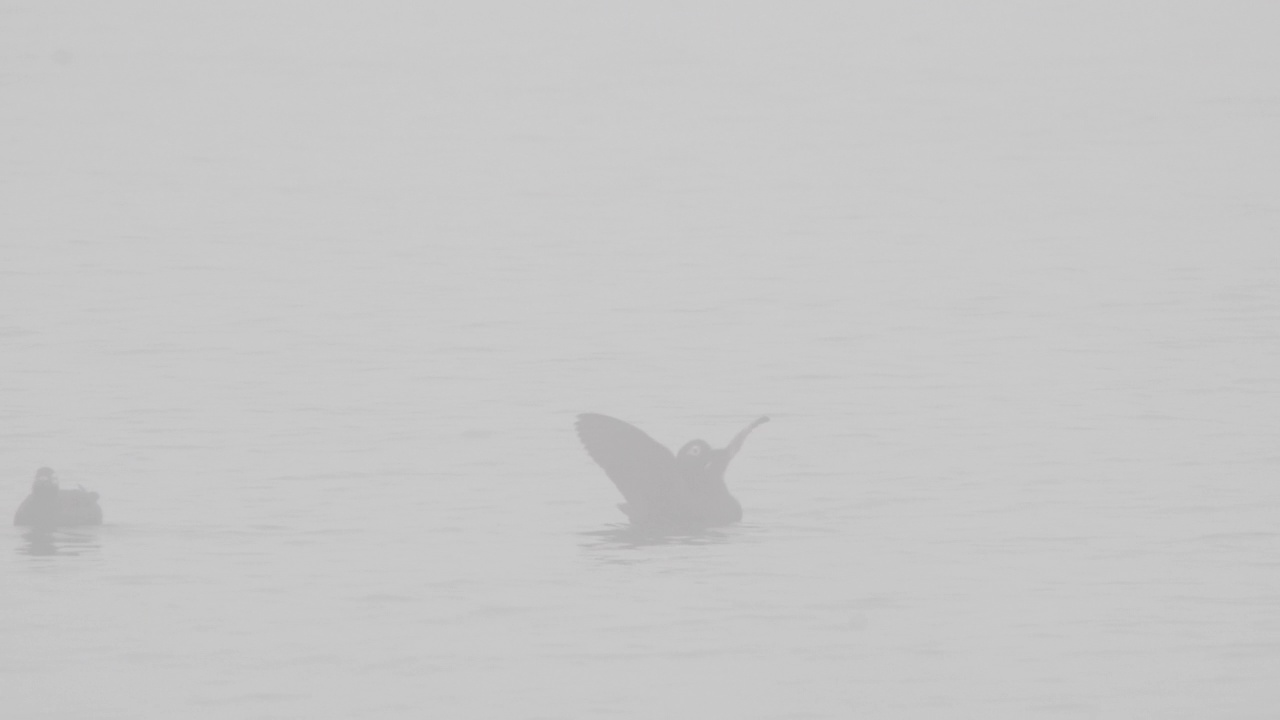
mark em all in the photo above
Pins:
pixel 312 292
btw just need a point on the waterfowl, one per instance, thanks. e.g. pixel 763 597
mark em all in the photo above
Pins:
pixel 685 490
pixel 50 506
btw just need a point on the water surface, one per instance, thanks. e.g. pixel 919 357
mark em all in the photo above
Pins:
pixel 312 295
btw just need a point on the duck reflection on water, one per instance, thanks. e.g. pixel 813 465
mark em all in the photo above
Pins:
pixel 49 542
pixel 624 536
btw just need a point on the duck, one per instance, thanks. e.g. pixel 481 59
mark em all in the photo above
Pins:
pixel 685 490
pixel 49 505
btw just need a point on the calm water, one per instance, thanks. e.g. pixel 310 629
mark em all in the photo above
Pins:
pixel 311 297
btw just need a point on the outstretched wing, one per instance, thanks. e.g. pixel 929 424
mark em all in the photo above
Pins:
pixel 643 470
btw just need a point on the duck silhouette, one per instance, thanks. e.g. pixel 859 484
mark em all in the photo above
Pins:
pixel 685 490
pixel 50 506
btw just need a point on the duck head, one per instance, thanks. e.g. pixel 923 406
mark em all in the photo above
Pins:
pixel 45 485
pixel 698 460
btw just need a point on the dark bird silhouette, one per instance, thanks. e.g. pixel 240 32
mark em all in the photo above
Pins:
pixel 681 491
pixel 50 506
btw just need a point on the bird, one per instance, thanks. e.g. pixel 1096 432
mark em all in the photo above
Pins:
pixel 681 491
pixel 50 506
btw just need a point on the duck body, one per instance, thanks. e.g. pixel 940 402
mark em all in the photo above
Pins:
pixel 49 505
pixel 677 491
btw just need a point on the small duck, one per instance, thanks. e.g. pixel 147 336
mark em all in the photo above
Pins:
pixel 681 491
pixel 50 506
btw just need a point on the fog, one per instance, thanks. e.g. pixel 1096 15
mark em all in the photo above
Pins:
pixel 312 295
